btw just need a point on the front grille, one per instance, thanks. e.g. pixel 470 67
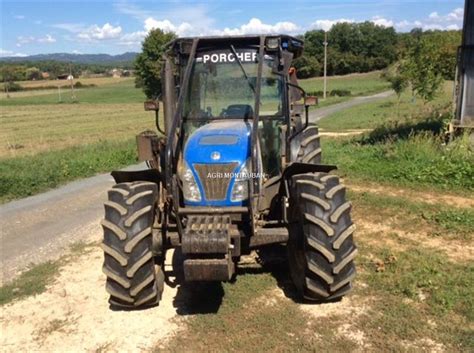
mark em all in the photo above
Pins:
pixel 215 179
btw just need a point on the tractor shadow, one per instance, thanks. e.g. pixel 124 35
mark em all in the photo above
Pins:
pixel 206 297
pixel 273 260
pixel 192 297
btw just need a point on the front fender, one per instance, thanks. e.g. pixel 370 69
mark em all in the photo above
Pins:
pixel 301 168
pixel 151 175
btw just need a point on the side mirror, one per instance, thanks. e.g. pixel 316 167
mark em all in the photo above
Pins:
pixel 152 105
pixel 310 101
pixel 282 63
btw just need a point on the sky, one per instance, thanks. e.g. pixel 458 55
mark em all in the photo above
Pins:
pixel 115 27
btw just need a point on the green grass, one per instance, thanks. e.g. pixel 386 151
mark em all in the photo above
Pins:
pixel 28 175
pixel 385 111
pixel 31 282
pixel 418 161
pixel 248 317
pixel 417 287
pixel 358 84
pixel 437 219
pixel 122 92
pixel 36 279
pixel 405 148
pixel 28 129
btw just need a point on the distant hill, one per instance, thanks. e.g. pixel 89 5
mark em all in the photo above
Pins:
pixel 76 58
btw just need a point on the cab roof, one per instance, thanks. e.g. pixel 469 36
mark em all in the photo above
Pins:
pixel 288 43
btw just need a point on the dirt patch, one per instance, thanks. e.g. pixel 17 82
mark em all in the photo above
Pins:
pixel 74 313
pixel 374 234
pixel 425 345
pixel 416 196
pixel 350 306
pixel 343 133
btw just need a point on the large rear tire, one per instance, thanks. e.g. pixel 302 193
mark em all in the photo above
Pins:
pixel 321 248
pixel 310 149
pixel 133 280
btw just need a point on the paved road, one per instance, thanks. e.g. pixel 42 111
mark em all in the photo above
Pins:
pixel 39 228
pixel 318 114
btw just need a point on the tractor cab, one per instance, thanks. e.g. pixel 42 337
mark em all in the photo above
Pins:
pixel 235 101
pixel 227 90
pixel 237 167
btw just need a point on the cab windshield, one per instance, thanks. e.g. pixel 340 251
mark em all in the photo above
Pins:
pixel 221 87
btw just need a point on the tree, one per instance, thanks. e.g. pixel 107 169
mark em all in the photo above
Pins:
pixel 421 68
pixel 148 62
pixel 307 66
pixel 353 47
pixel 33 73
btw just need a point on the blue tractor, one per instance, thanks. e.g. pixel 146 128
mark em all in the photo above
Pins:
pixel 237 166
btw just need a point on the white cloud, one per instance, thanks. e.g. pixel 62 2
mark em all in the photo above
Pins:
pixel 47 39
pixel 4 53
pixel 195 21
pixel 182 29
pixel 70 27
pixel 456 14
pixel 326 25
pixel 19 17
pixel 435 21
pixel 132 10
pixel 380 21
pixel 22 40
pixel 256 26
pixel 453 27
pixel 93 33
pixel 133 39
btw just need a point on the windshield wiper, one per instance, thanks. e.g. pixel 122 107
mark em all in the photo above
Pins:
pixel 242 68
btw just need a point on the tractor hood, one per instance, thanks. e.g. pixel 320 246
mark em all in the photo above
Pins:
pixel 219 142
pixel 216 153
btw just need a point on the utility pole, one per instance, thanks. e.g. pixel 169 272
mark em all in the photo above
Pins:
pixel 71 80
pixel 325 61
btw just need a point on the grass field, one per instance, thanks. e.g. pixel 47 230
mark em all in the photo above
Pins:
pixel 97 81
pixel 123 91
pixel 27 131
pixel 415 284
pixel 357 84
pixel 35 123
pixel 372 115
pixel 405 147
pixel 28 175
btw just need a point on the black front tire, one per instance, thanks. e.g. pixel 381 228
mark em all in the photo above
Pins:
pixel 133 279
pixel 321 248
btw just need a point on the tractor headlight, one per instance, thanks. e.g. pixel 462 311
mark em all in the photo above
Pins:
pixel 190 187
pixel 240 191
